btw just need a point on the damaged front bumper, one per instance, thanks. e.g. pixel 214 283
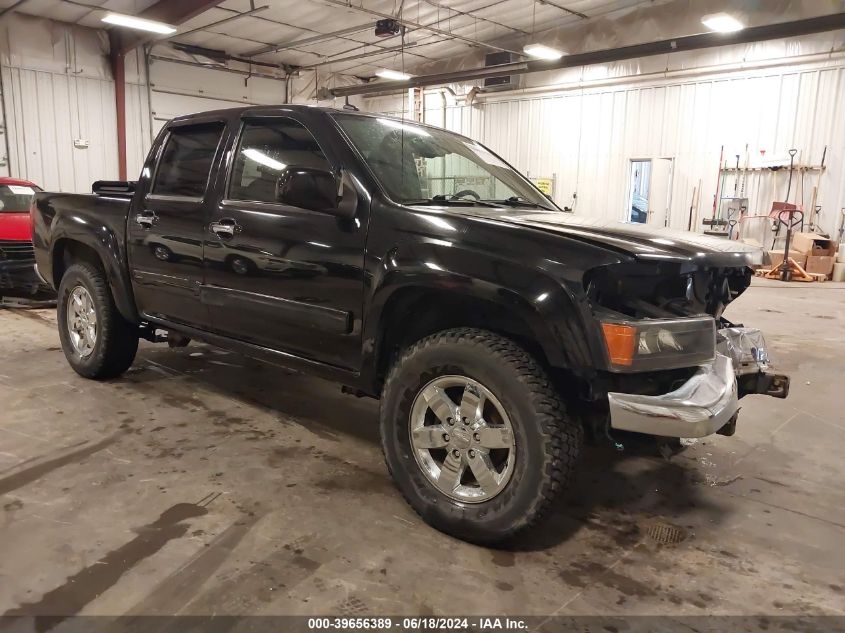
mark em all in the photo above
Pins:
pixel 709 401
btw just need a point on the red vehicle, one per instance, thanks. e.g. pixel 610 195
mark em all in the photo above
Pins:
pixel 17 261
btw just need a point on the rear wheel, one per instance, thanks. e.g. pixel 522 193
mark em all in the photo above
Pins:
pixel 97 341
pixel 475 435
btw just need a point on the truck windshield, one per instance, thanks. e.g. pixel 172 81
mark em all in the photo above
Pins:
pixel 417 164
pixel 16 198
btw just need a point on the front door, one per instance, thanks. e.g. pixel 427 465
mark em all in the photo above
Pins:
pixel 166 226
pixel 278 275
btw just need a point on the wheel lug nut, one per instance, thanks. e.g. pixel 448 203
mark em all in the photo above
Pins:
pixel 476 437
pixel 446 437
pixel 465 421
pixel 456 453
pixel 450 421
pixel 471 453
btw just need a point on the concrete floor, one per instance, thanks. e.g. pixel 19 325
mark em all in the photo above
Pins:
pixel 202 482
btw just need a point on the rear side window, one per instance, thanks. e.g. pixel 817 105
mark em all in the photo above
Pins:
pixel 186 161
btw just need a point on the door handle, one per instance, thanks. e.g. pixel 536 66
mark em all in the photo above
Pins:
pixel 225 228
pixel 146 219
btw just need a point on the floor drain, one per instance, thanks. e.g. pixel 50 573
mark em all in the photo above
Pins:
pixel 666 533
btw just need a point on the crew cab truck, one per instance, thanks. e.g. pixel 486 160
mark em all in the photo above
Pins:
pixel 416 266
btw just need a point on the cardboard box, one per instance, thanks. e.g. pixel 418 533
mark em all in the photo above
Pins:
pixel 776 257
pixel 812 244
pixel 820 264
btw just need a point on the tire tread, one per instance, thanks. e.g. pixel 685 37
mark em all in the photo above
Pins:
pixel 119 337
pixel 564 436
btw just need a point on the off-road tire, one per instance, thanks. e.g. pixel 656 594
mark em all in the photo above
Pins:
pixel 547 442
pixel 117 339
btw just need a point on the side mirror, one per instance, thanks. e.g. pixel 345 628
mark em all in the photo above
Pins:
pixel 308 188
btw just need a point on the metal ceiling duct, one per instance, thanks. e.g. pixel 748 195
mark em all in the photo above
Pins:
pixel 795 28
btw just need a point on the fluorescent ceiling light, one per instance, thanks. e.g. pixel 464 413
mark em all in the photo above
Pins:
pixel 141 24
pixel 722 23
pixel 260 157
pixel 386 73
pixel 540 51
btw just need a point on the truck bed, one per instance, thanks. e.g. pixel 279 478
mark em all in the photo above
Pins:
pixel 96 221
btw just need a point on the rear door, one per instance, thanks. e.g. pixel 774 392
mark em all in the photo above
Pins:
pixel 165 227
pixel 278 275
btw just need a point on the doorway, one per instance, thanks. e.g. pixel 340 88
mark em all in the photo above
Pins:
pixel 638 199
pixel 650 191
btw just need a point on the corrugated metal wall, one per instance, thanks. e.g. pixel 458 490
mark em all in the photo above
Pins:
pixel 46 114
pixel 60 93
pixel 585 138
pixel 177 89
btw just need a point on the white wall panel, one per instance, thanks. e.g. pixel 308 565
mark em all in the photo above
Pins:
pixel 57 96
pixel 138 133
pixel 586 137
pixel 57 88
pixel 46 113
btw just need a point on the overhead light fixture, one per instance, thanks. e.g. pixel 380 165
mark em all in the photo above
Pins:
pixel 140 24
pixel 386 73
pixel 722 23
pixel 541 51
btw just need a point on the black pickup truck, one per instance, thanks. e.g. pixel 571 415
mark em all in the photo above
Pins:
pixel 413 265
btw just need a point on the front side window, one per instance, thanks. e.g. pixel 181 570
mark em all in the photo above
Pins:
pixel 267 148
pixel 416 163
pixel 186 160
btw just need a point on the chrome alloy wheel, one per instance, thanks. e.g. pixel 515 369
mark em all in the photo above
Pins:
pixel 81 321
pixel 462 438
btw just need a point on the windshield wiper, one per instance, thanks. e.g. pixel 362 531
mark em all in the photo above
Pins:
pixel 516 201
pixel 441 199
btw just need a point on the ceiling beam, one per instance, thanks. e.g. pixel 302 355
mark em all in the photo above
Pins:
pixel 473 14
pixel 273 48
pixel 417 25
pixel 262 18
pixel 12 7
pixel 780 30
pixel 237 16
pixel 564 9
pixel 375 53
pixel 167 11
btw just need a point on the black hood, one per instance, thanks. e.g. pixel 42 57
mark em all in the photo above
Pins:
pixel 641 241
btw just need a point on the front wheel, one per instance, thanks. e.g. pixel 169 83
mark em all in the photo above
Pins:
pixel 97 341
pixel 475 435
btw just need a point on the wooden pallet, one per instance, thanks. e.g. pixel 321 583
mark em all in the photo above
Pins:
pixel 798 273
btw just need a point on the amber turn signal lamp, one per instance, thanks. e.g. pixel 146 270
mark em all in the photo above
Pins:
pixel 620 341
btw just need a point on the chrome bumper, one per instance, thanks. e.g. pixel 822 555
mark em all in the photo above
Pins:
pixel 709 399
pixel 699 407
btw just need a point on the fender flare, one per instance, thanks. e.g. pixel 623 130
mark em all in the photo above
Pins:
pixel 555 318
pixel 108 248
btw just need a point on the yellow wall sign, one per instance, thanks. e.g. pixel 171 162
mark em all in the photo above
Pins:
pixel 546 185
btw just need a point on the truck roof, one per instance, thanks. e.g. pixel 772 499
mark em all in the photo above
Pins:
pixel 271 110
pixel 264 109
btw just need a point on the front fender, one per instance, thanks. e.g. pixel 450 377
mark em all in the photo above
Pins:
pixel 557 317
